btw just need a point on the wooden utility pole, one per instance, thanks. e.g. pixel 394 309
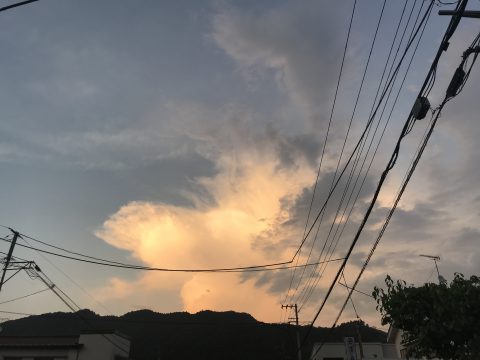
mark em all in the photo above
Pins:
pixel 294 306
pixel 360 344
pixel 9 256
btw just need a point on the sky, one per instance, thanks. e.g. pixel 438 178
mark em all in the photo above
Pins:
pixel 189 134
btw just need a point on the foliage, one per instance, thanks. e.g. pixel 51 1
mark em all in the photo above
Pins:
pixel 437 320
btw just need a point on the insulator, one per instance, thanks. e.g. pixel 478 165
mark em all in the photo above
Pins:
pixel 420 108
pixel 456 83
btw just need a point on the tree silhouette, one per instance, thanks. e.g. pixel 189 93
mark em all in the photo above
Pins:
pixel 438 320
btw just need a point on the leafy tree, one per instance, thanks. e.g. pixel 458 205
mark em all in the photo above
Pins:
pixel 438 320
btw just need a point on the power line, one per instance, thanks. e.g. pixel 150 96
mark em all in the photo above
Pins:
pixel 407 127
pixel 360 292
pixel 417 158
pixel 24 296
pixel 16 313
pixel 8 7
pixel 70 279
pixel 34 272
pixel 313 282
pixel 389 83
pixel 147 268
pixel 389 166
pixel 54 287
pixel 351 299
pixel 97 260
pixel 325 141
pixel 347 133
pixel 371 161
pixel 378 144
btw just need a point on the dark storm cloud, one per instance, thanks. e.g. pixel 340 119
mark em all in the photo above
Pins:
pixel 413 224
pixel 290 148
pixel 330 239
pixel 299 43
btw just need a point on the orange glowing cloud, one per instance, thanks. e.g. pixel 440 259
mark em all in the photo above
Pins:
pixel 249 191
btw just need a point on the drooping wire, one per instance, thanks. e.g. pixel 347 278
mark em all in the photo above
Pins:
pixel 69 278
pixel 450 30
pixel 325 142
pixel 24 296
pixel 359 142
pixel 313 280
pixel 359 92
pixel 375 152
pixel 8 7
pixel 389 166
pixel 97 260
pixel 147 268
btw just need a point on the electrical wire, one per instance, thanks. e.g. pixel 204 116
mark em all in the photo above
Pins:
pixel 325 142
pixel 351 299
pixel 24 296
pixel 387 121
pixel 359 92
pixel 147 268
pixel 16 313
pixel 390 165
pixel 389 83
pixel 376 149
pixel 69 277
pixel 314 280
pixel 360 292
pixel 450 30
pixel 8 7
pixel 97 260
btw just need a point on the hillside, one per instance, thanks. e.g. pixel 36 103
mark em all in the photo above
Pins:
pixel 204 335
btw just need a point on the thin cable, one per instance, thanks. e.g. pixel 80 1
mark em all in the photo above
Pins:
pixel 326 139
pixel 450 30
pixel 360 292
pixel 351 299
pixel 17 313
pixel 100 261
pixel 71 279
pixel 348 131
pixel 24 296
pixel 73 306
pixel 359 140
pixel 389 166
pixel 8 7
pixel 378 144
pixel 387 221
pixel 311 285
pixel 146 268
pixel 376 149
pixel 73 252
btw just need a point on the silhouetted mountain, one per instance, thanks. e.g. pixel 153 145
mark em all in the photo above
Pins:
pixel 204 335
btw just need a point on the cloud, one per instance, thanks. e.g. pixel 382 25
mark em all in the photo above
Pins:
pixel 299 44
pixel 253 208
pixel 249 191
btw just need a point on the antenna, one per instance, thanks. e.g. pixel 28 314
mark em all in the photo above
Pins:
pixel 434 258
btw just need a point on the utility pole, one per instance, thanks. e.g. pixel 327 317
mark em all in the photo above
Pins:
pixel 294 306
pixel 9 256
pixel 434 258
pixel 360 344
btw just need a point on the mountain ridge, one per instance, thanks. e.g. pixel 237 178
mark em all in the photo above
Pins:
pixel 180 335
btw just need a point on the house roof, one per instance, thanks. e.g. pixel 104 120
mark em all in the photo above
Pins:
pixel 39 342
pixel 105 332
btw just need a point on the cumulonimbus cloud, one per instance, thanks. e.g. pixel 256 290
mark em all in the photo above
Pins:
pixel 248 197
